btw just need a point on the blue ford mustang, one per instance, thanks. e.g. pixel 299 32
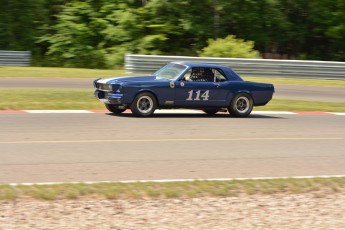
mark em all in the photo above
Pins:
pixel 206 87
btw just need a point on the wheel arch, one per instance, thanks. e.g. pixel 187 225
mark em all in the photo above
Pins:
pixel 242 91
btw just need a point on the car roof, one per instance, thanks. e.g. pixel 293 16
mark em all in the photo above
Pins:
pixel 200 64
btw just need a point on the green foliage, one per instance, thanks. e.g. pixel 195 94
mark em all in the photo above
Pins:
pixel 20 22
pixel 75 38
pixel 230 47
pixel 327 30
pixel 97 33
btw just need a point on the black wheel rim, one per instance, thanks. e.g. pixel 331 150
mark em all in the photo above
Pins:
pixel 242 104
pixel 145 104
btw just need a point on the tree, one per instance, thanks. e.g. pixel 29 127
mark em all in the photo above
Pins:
pixel 122 32
pixel 230 47
pixel 19 23
pixel 75 39
pixel 97 33
pixel 94 34
pixel 325 37
pixel 262 21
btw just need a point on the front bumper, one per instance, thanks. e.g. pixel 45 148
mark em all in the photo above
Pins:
pixel 109 98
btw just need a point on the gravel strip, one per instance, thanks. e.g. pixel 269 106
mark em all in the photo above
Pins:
pixel 277 211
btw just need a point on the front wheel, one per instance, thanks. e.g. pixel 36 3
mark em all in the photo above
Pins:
pixel 241 105
pixel 144 105
pixel 114 109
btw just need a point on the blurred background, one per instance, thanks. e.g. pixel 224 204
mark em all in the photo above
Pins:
pixel 91 37
pixel 70 33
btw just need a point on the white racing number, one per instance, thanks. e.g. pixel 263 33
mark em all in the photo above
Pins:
pixel 198 95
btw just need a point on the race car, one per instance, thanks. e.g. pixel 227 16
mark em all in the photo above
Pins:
pixel 208 87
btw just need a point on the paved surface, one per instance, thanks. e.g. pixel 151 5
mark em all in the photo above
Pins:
pixel 332 94
pixel 101 147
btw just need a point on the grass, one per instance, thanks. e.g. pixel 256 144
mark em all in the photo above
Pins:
pixel 55 99
pixel 155 190
pixel 58 99
pixel 298 81
pixel 301 106
pixel 54 72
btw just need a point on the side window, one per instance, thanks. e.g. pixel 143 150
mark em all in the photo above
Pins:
pixel 201 74
pixel 219 75
pixel 187 75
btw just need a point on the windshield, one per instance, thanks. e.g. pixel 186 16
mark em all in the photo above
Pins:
pixel 170 71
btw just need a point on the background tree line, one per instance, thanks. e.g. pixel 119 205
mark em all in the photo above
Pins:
pixel 97 33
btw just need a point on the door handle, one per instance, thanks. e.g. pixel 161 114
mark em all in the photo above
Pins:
pixel 216 84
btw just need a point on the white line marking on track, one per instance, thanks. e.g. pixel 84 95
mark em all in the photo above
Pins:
pixel 57 111
pixel 175 140
pixel 273 113
pixel 178 111
pixel 339 114
pixel 182 180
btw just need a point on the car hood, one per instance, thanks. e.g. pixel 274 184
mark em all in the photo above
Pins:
pixel 115 80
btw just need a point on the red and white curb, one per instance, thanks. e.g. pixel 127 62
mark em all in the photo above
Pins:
pixel 166 111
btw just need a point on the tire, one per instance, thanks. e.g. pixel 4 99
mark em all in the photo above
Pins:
pixel 144 105
pixel 114 109
pixel 241 105
pixel 211 111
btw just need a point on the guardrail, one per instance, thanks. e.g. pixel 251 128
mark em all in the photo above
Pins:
pixel 246 67
pixel 15 58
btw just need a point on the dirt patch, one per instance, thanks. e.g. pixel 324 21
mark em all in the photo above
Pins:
pixel 277 211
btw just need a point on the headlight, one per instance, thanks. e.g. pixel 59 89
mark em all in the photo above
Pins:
pixel 106 87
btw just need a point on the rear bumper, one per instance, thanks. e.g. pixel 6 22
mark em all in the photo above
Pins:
pixel 109 98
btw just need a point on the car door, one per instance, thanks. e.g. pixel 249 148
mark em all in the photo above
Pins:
pixel 201 89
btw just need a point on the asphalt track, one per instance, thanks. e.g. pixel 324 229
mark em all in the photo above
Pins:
pixel 104 147
pixel 317 93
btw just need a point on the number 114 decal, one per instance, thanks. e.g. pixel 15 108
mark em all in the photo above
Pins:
pixel 198 95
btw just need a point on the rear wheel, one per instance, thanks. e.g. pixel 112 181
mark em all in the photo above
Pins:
pixel 241 105
pixel 144 105
pixel 114 109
